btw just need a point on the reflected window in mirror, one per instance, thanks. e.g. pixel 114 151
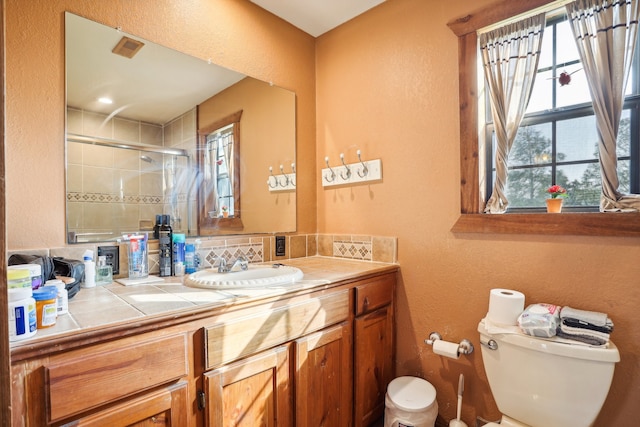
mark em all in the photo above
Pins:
pixel 219 163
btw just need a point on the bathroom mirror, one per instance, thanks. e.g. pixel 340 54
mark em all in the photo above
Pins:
pixel 134 155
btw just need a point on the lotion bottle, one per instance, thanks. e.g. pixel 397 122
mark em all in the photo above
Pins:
pixel 89 270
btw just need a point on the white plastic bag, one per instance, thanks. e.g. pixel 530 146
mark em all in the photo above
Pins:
pixel 540 320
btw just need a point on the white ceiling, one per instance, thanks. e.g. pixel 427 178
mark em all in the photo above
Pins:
pixel 159 84
pixel 316 17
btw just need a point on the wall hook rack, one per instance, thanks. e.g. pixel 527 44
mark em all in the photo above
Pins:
pixel 366 171
pixel 333 174
pixel 283 181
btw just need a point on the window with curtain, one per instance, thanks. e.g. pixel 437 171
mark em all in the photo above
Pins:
pixel 220 151
pixel 557 140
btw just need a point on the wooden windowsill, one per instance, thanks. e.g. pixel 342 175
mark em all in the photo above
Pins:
pixel 577 224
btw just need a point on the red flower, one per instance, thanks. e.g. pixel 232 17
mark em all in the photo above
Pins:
pixel 557 191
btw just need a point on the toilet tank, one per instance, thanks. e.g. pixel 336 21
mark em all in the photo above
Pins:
pixel 545 383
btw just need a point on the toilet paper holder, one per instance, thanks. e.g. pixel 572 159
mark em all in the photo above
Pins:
pixel 465 346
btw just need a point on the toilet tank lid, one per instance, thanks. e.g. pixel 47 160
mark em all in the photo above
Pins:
pixel 411 393
pixel 554 345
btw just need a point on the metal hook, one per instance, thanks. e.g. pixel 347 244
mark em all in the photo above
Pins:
pixel 333 174
pixel 293 171
pixel 274 178
pixel 365 169
pixel 286 177
pixel 346 167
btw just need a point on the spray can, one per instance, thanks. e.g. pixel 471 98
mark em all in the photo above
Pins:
pixel 165 236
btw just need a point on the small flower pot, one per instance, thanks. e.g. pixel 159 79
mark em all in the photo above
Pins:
pixel 225 214
pixel 554 205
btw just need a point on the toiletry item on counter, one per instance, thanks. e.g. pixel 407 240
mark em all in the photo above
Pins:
pixel 46 306
pixel 89 270
pixel 197 259
pixel 104 272
pixel 22 313
pixel 62 301
pixel 18 278
pixel 138 255
pixel 165 246
pixel 156 227
pixel 35 271
pixel 190 258
pixel 178 254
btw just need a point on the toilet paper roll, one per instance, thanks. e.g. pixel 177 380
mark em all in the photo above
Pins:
pixel 505 305
pixel 446 349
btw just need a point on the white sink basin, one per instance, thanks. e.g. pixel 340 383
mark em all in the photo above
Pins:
pixel 257 276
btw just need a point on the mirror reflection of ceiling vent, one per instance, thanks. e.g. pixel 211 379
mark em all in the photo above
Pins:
pixel 127 47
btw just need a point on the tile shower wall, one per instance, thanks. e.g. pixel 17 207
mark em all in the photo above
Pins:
pixel 114 189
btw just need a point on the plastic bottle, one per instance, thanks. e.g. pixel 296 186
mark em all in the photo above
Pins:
pixel 18 278
pixel 166 250
pixel 62 302
pixel 46 306
pixel 197 259
pixel 178 254
pixel 22 314
pixel 156 227
pixel 89 270
pixel 190 258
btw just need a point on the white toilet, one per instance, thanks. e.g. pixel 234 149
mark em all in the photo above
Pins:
pixel 542 383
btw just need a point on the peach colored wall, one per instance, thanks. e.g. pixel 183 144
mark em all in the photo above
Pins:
pixel 387 84
pixel 267 132
pixel 234 34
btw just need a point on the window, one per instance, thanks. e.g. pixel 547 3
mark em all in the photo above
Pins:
pixel 472 220
pixel 557 142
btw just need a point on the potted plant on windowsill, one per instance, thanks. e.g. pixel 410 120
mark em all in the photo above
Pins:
pixel 558 193
pixel 225 211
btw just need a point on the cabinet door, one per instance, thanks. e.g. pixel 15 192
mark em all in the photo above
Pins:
pixel 323 378
pixel 373 360
pixel 165 407
pixel 251 392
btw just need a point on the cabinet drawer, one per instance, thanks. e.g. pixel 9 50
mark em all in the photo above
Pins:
pixel 374 293
pixel 89 381
pixel 247 335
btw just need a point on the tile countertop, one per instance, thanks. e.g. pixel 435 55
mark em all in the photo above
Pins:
pixel 114 304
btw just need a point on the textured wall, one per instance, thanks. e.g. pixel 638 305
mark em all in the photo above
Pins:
pixel 234 34
pixel 387 84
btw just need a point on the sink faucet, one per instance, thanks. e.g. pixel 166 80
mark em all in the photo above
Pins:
pixel 240 264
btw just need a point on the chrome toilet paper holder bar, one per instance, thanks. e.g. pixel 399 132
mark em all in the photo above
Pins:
pixel 465 346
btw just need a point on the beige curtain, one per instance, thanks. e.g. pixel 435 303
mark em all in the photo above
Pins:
pixel 510 59
pixel 605 33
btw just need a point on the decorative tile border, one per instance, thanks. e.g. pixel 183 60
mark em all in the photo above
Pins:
pixel 75 196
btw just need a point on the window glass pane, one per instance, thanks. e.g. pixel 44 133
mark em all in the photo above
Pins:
pixel 582 182
pixel 532 146
pixel 623 144
pixel 576 139
pixel 546 51
pixel 540 99
pixel 624 177
pixel 526 188
pixel 566 44
pixel 576 92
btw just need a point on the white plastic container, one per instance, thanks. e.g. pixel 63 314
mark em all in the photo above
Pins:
pixel 22 314
pixel 62 302
pixel 35 271
pixel 410 402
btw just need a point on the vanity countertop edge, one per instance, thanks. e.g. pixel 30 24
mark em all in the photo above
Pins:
pixel 146 310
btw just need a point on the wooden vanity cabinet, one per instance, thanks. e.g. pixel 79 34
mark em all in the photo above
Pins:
pixel 373 347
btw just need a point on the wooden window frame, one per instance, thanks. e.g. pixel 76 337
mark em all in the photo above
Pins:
pixel 472 218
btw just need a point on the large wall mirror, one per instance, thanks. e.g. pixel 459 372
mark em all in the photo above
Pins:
pixel 144 139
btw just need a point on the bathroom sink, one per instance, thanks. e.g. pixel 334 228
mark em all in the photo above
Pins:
pixel 256 276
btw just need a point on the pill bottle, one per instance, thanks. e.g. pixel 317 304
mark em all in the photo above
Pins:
pixel 35 271
pixel 62 301
pixel 46 306
pixel 18 278
pixel 22 314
